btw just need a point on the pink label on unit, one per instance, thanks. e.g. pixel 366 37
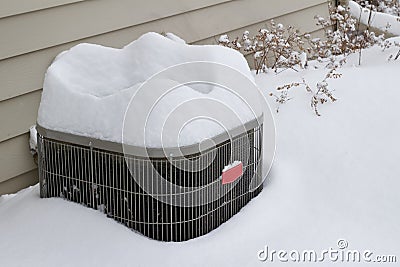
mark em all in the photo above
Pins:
pixel 231 173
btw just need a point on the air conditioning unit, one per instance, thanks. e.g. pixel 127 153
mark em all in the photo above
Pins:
pixel 165 196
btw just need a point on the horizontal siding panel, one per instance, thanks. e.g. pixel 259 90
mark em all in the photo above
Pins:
pixel 18 114
pixel 21 181
pixel 50 27
pixel 302 19
pixel 23 74
pixel 15 157
pixel 16 7
pixel 221 18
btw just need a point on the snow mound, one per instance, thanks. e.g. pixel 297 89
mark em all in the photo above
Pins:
pixel 87 89
pixel 382 21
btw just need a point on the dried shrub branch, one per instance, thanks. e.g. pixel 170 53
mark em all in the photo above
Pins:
pixel 319 95
pixel 276 46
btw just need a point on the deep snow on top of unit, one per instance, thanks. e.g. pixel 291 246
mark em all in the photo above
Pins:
pixel 87 90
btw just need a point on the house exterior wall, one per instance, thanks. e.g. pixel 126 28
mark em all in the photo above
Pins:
pixel 32 33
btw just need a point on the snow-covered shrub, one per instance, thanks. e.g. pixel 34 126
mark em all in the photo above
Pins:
pixel 343 36
pixel 276 46
pixel 285 47
pixel 280 47
pixel 320 95
pixel 284 94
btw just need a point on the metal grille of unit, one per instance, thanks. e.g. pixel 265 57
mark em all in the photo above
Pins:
pixel 101 179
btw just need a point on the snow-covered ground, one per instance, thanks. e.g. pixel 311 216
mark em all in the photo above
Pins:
pixel 334 177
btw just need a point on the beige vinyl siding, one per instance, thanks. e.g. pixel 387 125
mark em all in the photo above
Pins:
pixel 33 34
pixel 300 19
pixel 18 182
pixel 16 7
pixel 15 158
pixel 84 19
pixel 18 114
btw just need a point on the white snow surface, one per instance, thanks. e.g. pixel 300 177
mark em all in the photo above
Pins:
pixel 334 177
pixel 382 21
pixel 33 139
pixel 87 89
